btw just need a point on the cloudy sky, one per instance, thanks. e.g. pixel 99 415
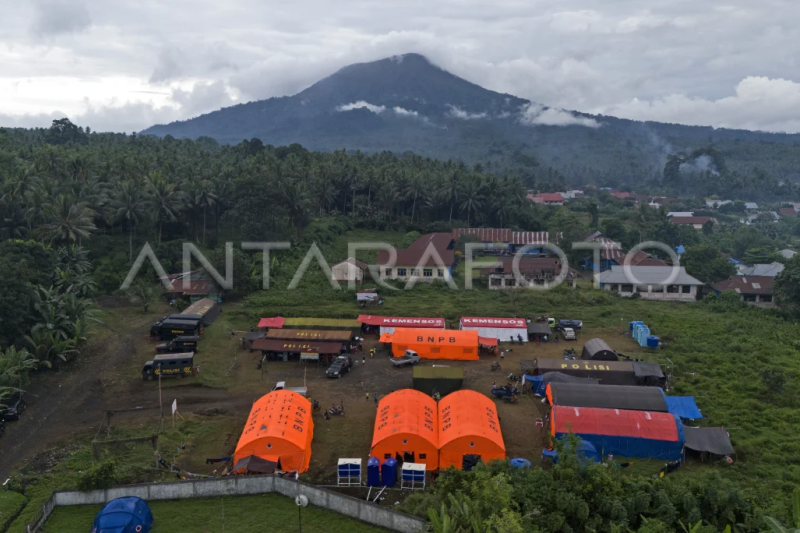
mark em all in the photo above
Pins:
pixel 123 65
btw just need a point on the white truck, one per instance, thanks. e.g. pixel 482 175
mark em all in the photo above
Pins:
pixel 409 358
pixel 302 391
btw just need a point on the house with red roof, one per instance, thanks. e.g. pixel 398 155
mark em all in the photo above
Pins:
pixel 429 258
pixel 754 290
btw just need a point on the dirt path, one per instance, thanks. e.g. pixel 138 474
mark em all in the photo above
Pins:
pixel 73 400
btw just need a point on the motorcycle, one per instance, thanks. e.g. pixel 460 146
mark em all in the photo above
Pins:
pixel 511 399
pixel 495 366
pixel 512 377
pixel 336 410
pixel 570 354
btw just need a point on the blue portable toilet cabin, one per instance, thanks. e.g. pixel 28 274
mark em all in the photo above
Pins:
pixel 652 342
pixel 124 515
pixel 389 472
pixel 373 472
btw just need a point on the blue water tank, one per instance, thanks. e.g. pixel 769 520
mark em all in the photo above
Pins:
pixel 389 472
pixel 652 342
pixel 373 472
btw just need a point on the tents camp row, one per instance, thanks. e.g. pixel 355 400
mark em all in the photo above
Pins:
pixel 279 430
pixel 462 428
pixel 607 372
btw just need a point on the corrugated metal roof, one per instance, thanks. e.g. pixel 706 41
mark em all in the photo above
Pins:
pixel 647 275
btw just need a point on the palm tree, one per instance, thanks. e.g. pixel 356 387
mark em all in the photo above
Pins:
pixel 128 203
pixel 414 190
pixel 295 198
pixel 205 198
pixel 450 190
pixel 67 220
pixel 47 346
pixel 164 200
pixel 472 198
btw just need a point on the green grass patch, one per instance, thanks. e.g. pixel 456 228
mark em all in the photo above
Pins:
pixel 11 503
pixel 242 514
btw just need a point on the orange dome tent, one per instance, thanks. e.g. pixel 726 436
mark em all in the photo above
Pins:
pixel 435 344
pixel 468 425
pixel 279 428
pixel 406 424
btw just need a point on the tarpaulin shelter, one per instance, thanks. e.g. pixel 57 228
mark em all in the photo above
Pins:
pixel 322 323
pixel 310 335
pixel 275 322
pixel 539 383
pixel 585 451
pixel 468 426
pixel 607 396
pixel 684 407
pixel 277 345
pixel 608 372
pixel 435 344
pixel 488 341
pixel 540 330
pixel 124 515
pixel 503 329
pixel 388 324
pixel 206 308
pixel 598 350
pixel 279 429
pixel 442 379
pixel 254 465
pixel 649 374
pixel 711 440
pixel 405 426
pixel 618 432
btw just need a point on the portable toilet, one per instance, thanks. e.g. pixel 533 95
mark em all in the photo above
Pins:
pixel 348 472
pixel 373 472
pixel 389 472
pixel 652 342
pixel 519 462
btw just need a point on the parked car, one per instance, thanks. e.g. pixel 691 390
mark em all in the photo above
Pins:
pixel 569 334
pixel 409 358
pixel 340 366
pixel 15 406
pixel 175 365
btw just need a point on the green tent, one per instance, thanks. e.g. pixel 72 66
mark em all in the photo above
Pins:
pixel 445 379
pixel 322 323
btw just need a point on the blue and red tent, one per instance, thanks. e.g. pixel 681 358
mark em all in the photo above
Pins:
pixel 620 432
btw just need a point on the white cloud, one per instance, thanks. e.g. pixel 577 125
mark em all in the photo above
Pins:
pixel 55 17
pixel 758 103
pixel 538 115
pixel 377 109
pixel 456 112
pixel 645 60
pixel 405 112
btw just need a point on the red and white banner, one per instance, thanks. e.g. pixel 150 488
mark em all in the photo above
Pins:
pixel 486 322
pixel 401 322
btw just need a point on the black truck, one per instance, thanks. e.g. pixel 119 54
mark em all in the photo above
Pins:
pixel 182 344
pixel 169 365
pixel 175 326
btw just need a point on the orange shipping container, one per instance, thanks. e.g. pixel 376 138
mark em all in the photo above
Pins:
pixel 436 344
pixel 468 425
pixel 279 428
pixel 406 424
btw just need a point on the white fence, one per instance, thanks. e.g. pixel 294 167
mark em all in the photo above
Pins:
pixel 239 486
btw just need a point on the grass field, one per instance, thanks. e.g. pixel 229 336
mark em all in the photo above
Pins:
pixel 243 514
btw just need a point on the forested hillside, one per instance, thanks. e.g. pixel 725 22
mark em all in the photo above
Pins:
pixel 405 103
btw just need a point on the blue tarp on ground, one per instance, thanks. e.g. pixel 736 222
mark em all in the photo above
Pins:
pixel 586 450
pixel 124 515
pixel 684 407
